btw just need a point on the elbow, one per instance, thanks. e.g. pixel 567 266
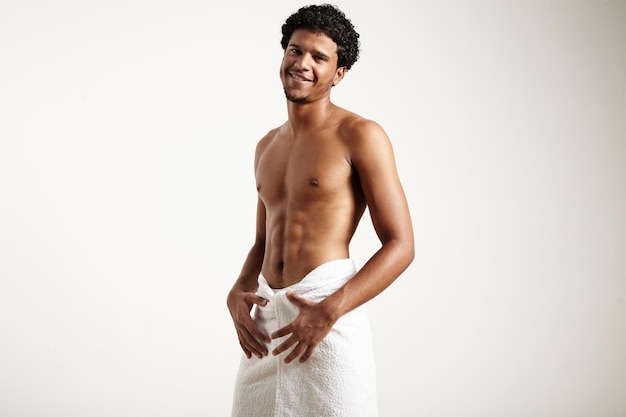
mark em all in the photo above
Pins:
pixel 408 253
pixel 404 251
pixel 407 247
pixel 411 253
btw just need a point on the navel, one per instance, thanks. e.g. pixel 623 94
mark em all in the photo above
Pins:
pixel 314 182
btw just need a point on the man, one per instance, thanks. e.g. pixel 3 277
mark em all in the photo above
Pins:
pixel 297 305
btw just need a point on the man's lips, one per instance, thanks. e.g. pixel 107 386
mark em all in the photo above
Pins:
pixel 299 77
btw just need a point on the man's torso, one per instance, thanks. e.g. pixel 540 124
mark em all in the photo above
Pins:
pixel 312 197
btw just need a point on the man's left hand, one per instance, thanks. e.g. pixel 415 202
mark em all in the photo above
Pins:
pixel 308 329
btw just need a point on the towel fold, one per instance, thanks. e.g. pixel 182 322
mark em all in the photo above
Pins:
pixel 338 380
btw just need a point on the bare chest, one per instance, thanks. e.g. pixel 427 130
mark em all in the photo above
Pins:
pixel 303 172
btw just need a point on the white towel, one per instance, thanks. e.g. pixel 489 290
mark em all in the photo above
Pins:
pixel 338 380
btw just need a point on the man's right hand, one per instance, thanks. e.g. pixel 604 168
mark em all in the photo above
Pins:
pixel 250 337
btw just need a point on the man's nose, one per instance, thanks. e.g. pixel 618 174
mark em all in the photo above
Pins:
pixel 304 62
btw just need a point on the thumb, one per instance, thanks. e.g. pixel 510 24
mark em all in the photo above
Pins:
pixel 296 299
pixel 255 299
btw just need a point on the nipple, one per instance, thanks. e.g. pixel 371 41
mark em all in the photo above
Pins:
pixel 314 182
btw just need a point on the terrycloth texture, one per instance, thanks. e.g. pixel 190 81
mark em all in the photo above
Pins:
pixel 337 381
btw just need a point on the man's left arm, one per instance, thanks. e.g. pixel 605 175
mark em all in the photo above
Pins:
pixel 373 159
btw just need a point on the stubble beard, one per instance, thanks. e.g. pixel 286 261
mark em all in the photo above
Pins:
pixel 294 99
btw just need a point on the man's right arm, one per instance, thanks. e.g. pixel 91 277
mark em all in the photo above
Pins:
pixel 243 296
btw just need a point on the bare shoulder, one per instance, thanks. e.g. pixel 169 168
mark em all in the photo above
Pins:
pixel 265 142
pixel 362 136
pixel 267 139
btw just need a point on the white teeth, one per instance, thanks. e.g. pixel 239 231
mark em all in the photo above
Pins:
pixel 298 77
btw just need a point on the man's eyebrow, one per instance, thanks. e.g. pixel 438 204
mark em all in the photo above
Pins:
pixel 315 52
pixel 322 54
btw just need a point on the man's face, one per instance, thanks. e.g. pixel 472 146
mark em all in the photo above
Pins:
pixel 309 66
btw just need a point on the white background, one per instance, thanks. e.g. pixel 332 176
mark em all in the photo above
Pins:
pixel 127 132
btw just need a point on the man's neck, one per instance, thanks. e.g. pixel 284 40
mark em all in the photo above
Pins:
pixel 304 116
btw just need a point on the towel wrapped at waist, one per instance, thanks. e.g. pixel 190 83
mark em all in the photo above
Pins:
pixel 338 380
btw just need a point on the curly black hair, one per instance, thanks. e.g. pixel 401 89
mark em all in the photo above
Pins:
pixel 331 21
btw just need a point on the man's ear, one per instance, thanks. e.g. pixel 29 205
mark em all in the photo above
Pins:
pixel 341 71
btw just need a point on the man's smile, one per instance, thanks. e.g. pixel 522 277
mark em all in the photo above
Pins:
pixel 296 76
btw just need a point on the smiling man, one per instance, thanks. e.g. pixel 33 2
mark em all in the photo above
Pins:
pixel 298 305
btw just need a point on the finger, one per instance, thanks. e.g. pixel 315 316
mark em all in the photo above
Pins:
pixel 307 354
pixel 297 351
pixel 297 300
pixel 252 344
pixel 284 346
pixel 255 299
pixel 246 322
pixel 256 332
pixel 246 351
pixel 283 331
pixel 243 344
